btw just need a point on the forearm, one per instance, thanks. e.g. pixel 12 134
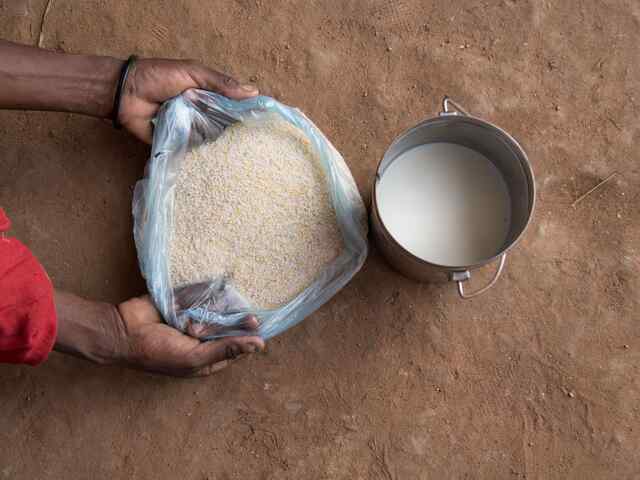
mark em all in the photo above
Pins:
pixel 88 329
pixel 36 79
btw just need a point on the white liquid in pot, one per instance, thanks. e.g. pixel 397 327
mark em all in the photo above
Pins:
pixel 445 203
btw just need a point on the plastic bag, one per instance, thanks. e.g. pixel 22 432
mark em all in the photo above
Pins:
pixel 215 308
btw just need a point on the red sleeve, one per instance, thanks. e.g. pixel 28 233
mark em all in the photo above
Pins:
pixel 27 311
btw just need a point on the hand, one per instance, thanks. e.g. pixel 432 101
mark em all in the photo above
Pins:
pixel 37 79
pixel 133 334
pixel 153 81
pixel 155 346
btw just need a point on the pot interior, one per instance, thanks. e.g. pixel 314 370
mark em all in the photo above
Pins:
pixel 455 191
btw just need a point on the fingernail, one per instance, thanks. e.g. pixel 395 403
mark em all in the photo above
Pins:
pixel 249 88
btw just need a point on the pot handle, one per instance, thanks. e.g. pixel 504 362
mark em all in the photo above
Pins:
pixel 460 277
pixel 447 103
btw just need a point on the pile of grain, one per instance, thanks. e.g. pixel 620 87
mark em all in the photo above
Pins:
pixel 254 206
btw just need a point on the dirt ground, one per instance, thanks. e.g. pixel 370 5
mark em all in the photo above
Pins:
pixel 540 378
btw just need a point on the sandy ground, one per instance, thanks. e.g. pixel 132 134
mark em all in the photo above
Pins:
pixel 539 378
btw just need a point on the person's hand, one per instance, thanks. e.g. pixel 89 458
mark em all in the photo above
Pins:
pixel 133 334
pixel 152 81
pixel 151 344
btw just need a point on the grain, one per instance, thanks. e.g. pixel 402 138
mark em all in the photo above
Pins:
pixel 254 206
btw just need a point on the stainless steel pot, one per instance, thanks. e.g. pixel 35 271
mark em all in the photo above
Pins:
pixel 455 125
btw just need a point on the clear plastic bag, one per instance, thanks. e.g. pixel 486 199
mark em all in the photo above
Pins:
pixel 215 308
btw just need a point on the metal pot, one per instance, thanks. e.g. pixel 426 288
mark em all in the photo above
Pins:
pixel 455 125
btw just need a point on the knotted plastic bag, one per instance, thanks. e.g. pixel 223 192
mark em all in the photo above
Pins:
pixel 215 308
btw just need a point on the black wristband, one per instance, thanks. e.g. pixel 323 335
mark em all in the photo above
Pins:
pixel 124 73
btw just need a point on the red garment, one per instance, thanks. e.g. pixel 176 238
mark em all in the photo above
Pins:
pixel 27 311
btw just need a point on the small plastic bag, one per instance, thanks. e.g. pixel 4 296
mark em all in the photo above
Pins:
pixel 215 309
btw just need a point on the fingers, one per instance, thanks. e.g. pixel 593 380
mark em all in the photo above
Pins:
pixel 186 372
pixel 196 329
pixel 209 353
pixel 222 83
pixel 210 369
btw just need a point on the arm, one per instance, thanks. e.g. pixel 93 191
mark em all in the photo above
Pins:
pixel 134 335
pixel 33 319
pixel 131 333
pixel 35 79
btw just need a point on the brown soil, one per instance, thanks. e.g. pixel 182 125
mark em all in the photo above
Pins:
pixel 539 378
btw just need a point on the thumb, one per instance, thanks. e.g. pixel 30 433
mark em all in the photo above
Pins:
pixel 221 83
pixel 208 353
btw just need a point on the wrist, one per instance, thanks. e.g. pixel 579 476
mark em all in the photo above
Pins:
pixel 99 86
pixel 90 330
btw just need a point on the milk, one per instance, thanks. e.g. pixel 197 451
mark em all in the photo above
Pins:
pixel 445 203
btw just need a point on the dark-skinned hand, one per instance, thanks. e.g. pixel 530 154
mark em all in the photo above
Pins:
pixel 153 81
